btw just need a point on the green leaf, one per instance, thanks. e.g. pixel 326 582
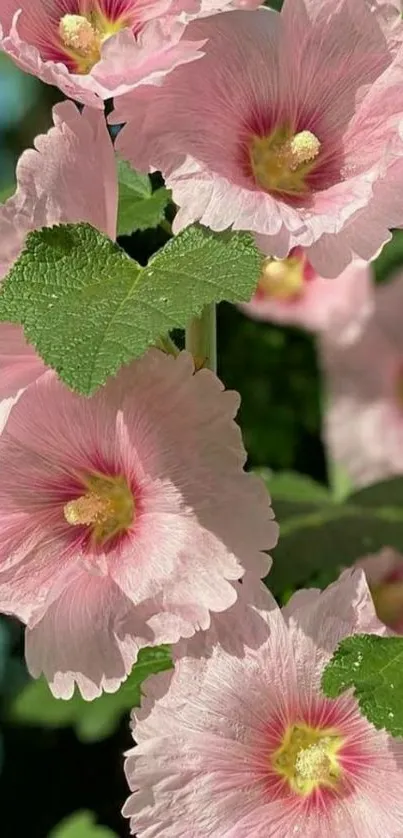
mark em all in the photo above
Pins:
pixel 6 192
pixel 374 667
pixel 340 482
pixel 294 487
pixel 323 536
pixel 390 259
pixel 139 207
pixel 92 720
pixel 88 308
pixel 81 825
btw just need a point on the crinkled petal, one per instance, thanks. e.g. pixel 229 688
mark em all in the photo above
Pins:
pixel 90 636
pixel 69 177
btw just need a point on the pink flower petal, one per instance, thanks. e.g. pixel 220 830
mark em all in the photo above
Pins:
pixel 326 68
pixel 363 423
pixel 90 636
pixel 69 177
pixel 321 305
pixel 149 45
pixel 209 732
pixel 198 520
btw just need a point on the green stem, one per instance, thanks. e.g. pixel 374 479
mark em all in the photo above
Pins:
pixel 201 338
pixel 166 226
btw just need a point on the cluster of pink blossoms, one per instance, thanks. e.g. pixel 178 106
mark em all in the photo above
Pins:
pixel 127 519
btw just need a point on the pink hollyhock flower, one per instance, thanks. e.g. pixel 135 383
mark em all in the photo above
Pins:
pixel 363 424
pixel 68 178
pixel 96 49
pixel 124 518
pixel 248 746
pixel 290 292
pixel 384 572
pixel 302 147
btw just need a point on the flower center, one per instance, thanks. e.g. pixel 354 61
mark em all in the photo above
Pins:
pixel 78 34
pixel 388 601
pixel 281 161
pixel 282 278
pixel 107 507
pixel 82 37
pixel 307 758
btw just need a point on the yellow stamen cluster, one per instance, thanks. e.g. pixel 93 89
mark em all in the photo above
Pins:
pixel 82 37
pixel 282 279
pixel 88 509
pixel 388 601
pixel 281 161
pixel 313 764
pixel 302 148
pixel 78 34
pixel 307 758
pixel 107 507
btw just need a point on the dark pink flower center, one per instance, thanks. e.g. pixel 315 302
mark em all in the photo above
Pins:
pixel 106 507
pixel 281 161
pixel 289 156
pixel 284 279
pixel 308 758
pixel 75 37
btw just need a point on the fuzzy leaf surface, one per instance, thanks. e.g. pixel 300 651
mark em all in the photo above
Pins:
pixel 88 308
pixel 373 666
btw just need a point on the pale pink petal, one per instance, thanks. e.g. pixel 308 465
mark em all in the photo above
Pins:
pixel 150 43
pixel 379 566
pixel 209 732
pixel 327 68
pixel 197 522
pixel 90 636
pixel 19 363
pixel 363 423
pixel 19 367
pixel 322 305
pixel 318 621
pixel 69 177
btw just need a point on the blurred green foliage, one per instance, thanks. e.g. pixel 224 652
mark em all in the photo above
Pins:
pixel 81 825
pixel 92 720
pixel 320 535
pixel 275 370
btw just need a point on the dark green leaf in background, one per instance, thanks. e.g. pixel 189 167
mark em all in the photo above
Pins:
pixel 6 193
pixel 390 259
pixel 92 720
pixel 321 536
pixel 293 487
pixel 88 308
pixel 139 207
pixel 373 666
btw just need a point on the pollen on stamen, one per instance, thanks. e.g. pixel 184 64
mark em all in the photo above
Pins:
pixel 77 33
pixel 282 279
pixel 302 148
pixel 88 509
pixel 313 764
